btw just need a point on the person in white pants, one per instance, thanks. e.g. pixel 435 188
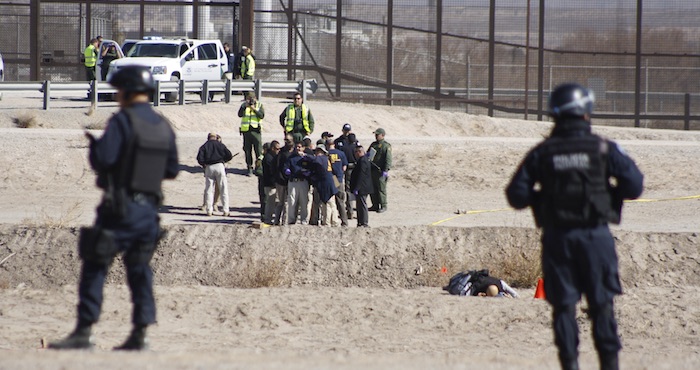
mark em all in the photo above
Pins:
pixel 215 176
pixel 212 156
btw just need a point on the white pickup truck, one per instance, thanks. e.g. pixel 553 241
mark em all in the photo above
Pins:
pixel 175 60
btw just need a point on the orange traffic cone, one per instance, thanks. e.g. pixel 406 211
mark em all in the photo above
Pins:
pixel 539 291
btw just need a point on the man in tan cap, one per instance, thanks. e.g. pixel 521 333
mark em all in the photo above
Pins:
pixel 380 157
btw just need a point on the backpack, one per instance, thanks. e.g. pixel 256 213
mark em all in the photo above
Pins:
pixel 462 282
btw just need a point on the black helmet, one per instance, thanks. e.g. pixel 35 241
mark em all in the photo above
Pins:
pixel 133 79
pixel 570 100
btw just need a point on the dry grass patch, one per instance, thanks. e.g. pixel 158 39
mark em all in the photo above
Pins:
pixel 519 264
pixel 26 120
pixel 96 126
pixel 436 152
pixel 63 219
pixel 268 273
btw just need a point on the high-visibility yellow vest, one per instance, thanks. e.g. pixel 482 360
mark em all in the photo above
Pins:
pixel 90 56
pixel 248 66
pixel 250 119
pixel 291 116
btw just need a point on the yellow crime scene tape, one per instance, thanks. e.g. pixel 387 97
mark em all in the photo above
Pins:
pixel 690 197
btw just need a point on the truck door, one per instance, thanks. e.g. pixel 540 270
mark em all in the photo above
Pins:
pixel 206 64
pixel 109 50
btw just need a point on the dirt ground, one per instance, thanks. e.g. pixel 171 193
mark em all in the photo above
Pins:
pixel 345 298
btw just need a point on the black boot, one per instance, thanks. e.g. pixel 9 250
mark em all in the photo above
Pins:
pixel 80 338
pixel 568 363
pixel 608 361
pixel 136 341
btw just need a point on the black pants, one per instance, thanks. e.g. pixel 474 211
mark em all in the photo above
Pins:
pixel 141 224
pixel 362 210
pixel 575 262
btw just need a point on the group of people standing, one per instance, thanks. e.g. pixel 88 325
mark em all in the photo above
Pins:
pixel 302 181
pixel 566 180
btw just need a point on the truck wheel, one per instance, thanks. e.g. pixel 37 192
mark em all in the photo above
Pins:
pixel 172 97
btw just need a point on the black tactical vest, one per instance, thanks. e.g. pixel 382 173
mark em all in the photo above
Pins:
pixel 147 154
pixel 574 184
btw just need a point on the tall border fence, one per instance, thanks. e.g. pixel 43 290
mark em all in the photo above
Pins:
pixel 501 58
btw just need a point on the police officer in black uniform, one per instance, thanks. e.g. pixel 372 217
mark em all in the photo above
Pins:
pixel 575 183
pixel 136 152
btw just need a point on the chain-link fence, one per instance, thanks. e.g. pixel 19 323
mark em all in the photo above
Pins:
pixel 501 58
pixel 641 58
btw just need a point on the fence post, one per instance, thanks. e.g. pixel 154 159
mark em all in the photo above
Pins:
pixel 205 92
pixel 686 125
pixel 47 94
pixel 227 93
pixel 93 92
pixel 258 90
pixel 156 94
pixel 181 92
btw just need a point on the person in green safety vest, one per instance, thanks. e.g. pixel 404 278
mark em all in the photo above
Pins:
pixel 297 119
pixel 90 54
pixel 247 64
pixel 251 113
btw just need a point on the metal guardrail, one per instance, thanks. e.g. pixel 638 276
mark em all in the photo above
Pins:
pixel 94 89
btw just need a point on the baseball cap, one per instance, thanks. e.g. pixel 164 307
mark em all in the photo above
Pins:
pixel 321 147
pixel 307 137
pixel 347 127
pixel 352 138
pixel 320 142
pixel 326 134
pixel 380 131
pixel 244 47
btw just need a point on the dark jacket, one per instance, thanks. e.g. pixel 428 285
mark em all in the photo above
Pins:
pixel 322 178
pixel 361 178
pixel 106 153
pixel 343 144
pixel 521 191
pixel 212 152
pixel 297 168
pixel 269 168
pixel 282 158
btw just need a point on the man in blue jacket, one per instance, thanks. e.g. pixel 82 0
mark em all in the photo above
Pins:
pixel 566 180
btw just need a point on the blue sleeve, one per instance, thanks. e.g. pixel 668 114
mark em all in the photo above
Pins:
pixel 173 165
pixel 630 181
pixel 343 158
pixel 520 192
pixel 105 151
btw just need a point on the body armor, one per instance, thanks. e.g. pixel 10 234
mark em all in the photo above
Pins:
pixel 147 155
pixel 575 191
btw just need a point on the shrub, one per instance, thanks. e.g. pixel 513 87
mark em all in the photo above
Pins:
pixel 26 120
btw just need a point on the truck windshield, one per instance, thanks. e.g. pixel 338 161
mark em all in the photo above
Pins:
pixel 154 50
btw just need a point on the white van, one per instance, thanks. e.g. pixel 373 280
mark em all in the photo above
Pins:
pixel 177 59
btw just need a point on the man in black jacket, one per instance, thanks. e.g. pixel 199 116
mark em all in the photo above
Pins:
pixel 281 180
pixel 361 185
pixel 211 156
pixel 567 180
pixel 269 180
